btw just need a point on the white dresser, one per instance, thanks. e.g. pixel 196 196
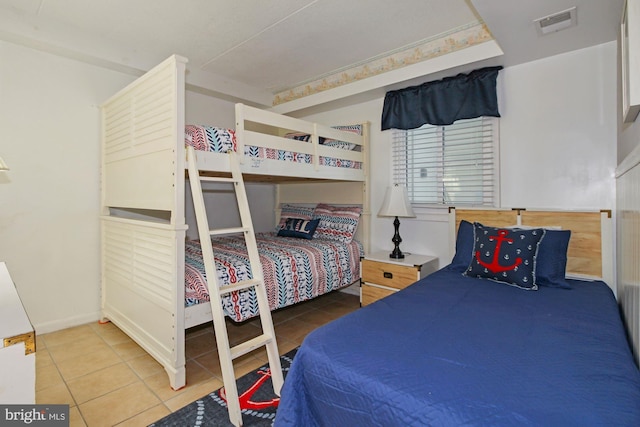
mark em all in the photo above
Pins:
pixel 17 349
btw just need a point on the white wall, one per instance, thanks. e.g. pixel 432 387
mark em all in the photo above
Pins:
pixel 557 144
pixel 209 111
pixel 558 131
pixel 49 201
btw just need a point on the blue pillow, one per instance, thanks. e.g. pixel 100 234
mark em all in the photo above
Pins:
pixel 299 227
pixel 505 255
pixel 464 247
pixel 551 264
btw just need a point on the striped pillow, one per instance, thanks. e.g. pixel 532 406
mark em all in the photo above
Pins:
pixel 338 223
pixel 357 129
pixel 294 211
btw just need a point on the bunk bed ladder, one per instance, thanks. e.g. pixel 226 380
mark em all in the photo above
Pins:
pixel 267 339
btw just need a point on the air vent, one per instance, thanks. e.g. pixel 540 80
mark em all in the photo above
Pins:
pixel 556 22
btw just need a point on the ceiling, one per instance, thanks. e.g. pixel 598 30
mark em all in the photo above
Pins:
pixel 254 50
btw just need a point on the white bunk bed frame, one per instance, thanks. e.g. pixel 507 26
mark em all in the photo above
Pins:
pixel 143 175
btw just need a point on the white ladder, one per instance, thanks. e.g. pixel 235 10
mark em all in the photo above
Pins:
pixel 268 338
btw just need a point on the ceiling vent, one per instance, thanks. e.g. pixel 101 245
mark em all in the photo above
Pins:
pixel 556 22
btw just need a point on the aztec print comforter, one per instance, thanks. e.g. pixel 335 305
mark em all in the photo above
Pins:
pixel 221 140
pixel 294 270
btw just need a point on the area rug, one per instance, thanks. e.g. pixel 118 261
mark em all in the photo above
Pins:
pixel 257 401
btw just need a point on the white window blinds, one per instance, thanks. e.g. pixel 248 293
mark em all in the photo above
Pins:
pixel 452 165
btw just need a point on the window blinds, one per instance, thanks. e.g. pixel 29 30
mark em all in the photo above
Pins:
pixel 448 165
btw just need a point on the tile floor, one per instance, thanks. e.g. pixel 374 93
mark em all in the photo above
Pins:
pixel 108 380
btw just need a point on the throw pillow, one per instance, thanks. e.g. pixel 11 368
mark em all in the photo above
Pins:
pixel 551 263
pixel 294 211
pixel 505 255
pixel 337 223
pixel 299 228
pixel 464 247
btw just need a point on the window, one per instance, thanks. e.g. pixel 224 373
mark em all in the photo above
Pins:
pixel 451 165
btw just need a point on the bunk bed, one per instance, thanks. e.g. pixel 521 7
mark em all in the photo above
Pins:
pixel 455 349
pixel 144 245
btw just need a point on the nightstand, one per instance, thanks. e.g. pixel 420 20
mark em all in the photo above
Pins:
pixel 382 276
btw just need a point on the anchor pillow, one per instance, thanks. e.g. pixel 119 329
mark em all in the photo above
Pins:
pixel 505 255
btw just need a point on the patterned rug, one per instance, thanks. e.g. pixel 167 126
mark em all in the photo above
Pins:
pixel 257 400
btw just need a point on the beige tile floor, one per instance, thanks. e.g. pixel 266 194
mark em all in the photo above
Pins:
pixel 108 380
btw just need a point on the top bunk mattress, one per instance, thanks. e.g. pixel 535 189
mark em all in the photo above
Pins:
pixel 222 140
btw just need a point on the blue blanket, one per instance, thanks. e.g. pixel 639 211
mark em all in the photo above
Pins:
pixel 453 350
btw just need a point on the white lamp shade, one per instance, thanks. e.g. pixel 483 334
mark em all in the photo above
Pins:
pixel 3 165
pixel 396 203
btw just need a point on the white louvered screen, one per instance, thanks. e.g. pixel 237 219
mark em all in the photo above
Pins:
pixel 449 165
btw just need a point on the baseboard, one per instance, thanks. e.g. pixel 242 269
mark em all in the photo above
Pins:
pixel 69 322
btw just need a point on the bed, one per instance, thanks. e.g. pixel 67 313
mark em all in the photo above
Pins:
pixel 294 270
pixel 146 270
pixel 455 349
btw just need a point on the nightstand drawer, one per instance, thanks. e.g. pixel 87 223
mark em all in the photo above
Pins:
pixel 391 275
pixel 372 293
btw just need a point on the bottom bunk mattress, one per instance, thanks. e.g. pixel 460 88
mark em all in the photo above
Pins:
pixel 453 350
pixel 294 270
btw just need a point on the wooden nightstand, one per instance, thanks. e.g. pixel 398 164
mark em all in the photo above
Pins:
pixel 382 276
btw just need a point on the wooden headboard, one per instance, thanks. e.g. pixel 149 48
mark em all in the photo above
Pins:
pixel 590 253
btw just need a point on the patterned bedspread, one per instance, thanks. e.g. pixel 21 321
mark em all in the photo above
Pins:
pixel 221 140
pixel 294 270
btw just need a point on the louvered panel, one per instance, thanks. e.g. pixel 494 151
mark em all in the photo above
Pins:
pixel 154 264
pixel 117 252
pixel 143 126
pixel 145 258
pixel 117 129
pixel 148 110
pixel 628 252
pixel 140 280
pixel 143 287
pixel 153 114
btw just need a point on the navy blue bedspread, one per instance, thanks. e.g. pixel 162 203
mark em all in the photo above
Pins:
pixel 458 351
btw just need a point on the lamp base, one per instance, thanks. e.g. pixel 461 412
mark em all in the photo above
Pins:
pixel 397 253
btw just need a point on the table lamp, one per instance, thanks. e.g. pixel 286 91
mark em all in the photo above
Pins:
pixel 396 203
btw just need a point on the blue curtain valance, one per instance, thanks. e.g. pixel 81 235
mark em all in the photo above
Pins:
pixel 442 102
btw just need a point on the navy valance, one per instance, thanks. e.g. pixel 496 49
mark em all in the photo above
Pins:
pixel 442 102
